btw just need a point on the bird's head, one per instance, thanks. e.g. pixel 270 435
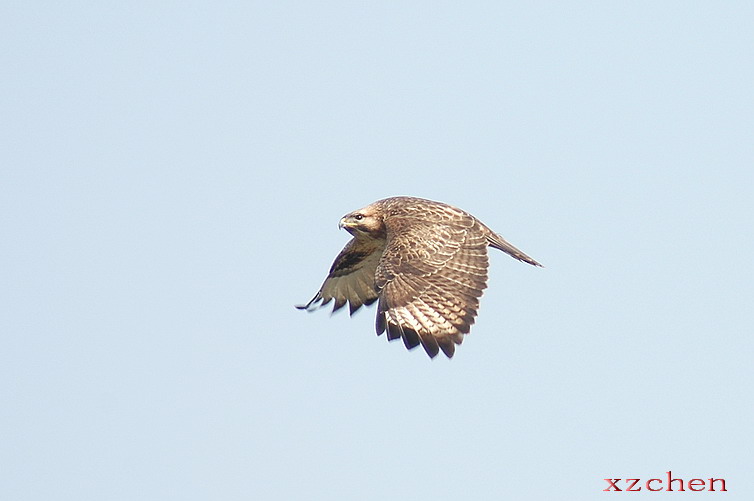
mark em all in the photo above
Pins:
pixel 366 222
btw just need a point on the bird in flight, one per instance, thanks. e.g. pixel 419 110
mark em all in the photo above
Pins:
pixel 424 262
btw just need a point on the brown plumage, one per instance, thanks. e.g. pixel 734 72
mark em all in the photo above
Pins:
pixel 426 263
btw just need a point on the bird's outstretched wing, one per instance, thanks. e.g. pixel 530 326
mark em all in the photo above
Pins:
pixel 432 273
pixel 351 277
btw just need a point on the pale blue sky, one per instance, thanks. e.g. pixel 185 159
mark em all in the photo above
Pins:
pixel 173 174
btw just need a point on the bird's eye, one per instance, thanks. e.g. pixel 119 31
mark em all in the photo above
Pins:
pixel 358 217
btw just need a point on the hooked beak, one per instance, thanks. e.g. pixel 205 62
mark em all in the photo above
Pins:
pixel 342 223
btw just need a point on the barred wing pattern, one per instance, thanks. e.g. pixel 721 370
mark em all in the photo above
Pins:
pixel 431 277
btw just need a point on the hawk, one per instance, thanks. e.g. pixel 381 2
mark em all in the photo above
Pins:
pixel 424 262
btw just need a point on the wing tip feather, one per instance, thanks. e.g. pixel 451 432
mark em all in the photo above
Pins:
pixel 430 345
pixel 447 346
